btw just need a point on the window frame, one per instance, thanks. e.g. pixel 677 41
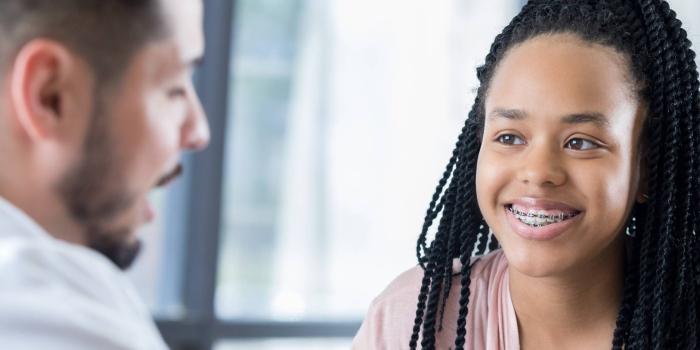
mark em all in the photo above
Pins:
pixel 193 219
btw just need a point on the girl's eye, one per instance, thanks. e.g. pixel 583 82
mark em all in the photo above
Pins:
pixel 510 139
pixel 580 144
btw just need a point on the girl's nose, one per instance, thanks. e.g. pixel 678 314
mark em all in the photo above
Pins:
pixel 541 166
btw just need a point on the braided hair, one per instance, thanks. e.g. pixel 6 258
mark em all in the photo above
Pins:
pixel 659 307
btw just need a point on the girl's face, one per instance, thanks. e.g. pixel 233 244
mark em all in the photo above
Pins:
pixel 558 169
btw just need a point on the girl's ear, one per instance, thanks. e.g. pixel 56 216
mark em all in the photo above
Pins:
pixel 642 197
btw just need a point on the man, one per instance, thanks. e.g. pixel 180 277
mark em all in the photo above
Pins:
pixel 96 105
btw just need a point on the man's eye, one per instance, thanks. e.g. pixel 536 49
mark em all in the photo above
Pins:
pixel 177 92
pixel 580 144
pixel 510 139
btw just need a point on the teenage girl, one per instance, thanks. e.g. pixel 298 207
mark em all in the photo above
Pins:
pixel 567 214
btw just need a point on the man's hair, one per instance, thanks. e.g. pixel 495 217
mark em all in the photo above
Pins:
pixel 661 302
pixel 105 33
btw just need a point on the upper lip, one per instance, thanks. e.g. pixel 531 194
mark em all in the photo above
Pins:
pixel 543 204
pixel 167 178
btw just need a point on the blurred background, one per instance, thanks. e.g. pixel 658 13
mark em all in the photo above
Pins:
pixel 332 121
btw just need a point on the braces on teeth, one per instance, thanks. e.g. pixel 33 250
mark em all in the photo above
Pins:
pixel 539 220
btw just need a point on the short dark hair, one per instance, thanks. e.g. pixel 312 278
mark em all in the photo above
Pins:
pixel 106 33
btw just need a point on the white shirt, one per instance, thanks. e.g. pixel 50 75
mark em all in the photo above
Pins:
pixel 61 296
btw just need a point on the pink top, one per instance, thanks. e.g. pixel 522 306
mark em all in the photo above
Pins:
pixel 491 321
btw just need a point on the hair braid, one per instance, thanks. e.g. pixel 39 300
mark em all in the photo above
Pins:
pixel 470 226
pixel 433 211
pixel 634 29
pixel 437 251
pixel 420 308
pixel 666 260
pixel 682 235
pixel 662 270
pixel 641 323
pixel 435 207
pixel 621 332
pixel 462 222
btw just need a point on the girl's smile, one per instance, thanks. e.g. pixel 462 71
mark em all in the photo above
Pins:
pixel 558 168
pixel 581 153
pixel 540 219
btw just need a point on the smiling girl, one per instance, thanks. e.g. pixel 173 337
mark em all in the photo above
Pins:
pixel 568 210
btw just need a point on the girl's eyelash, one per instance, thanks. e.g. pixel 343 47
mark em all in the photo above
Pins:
pixel 582 141
pixel 579 143
pixel 509 139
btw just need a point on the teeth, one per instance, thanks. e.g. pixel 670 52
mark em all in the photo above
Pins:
pixel 539 218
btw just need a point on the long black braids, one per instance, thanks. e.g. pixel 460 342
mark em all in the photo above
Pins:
pixel 659 307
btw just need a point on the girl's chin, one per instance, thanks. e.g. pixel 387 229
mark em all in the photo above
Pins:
pixel 536 263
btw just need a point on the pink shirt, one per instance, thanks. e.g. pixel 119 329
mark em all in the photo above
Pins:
pixel 491 321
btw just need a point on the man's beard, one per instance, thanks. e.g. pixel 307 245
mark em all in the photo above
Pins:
pixel 94 197
pixel 115 246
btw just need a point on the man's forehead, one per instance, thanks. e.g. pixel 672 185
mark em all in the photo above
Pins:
pixel 185 20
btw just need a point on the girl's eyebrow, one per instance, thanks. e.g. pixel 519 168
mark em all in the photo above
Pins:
pixel 596 118
pixel 587 117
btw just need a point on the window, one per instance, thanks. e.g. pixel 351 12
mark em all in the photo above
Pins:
pixel 342 116
pixel 331 124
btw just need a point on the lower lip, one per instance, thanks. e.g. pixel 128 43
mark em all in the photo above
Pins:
pixel 543 233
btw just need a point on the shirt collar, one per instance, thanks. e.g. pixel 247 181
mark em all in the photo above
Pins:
pixel 14 221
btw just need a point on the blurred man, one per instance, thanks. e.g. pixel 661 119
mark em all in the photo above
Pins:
pixel 96 105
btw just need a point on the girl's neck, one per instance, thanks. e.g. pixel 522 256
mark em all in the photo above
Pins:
pixel 576 310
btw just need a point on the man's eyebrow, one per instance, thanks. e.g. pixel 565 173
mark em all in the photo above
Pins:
pixel 596 118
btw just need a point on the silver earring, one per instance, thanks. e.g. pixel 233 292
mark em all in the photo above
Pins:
pixel 631 230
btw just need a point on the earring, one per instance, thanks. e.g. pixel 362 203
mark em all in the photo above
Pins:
pixel 631 230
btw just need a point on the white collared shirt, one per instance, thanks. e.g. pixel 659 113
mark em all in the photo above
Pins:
pixel 61 296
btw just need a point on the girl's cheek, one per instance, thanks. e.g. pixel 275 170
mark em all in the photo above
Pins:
pixel 493 166
pixel 489 177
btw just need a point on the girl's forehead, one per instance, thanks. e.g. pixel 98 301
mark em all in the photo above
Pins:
pixel 562 74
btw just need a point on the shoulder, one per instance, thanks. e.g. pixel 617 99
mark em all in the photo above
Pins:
pixel 408 283
pixel 389 320
pixel 51 319
pixel 33 263
pixel 59 296
pixel 487 267
pixel 46 263
pixel 406 286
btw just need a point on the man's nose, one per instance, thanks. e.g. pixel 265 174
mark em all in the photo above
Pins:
pixel 195 132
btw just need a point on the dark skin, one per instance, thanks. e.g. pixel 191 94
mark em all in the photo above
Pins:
pixel 562 129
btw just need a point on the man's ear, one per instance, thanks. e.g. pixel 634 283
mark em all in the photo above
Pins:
pixel 42 83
